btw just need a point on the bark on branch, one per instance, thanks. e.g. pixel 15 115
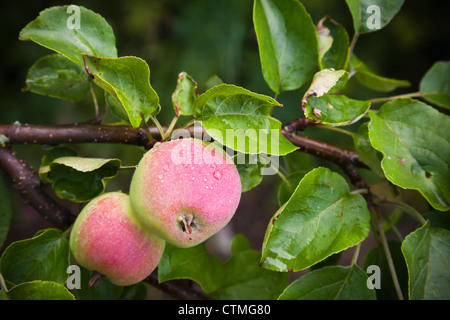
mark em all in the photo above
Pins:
pixel 27 183
pixel 91 133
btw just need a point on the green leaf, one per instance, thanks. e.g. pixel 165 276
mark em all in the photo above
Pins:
pixel 128 80
pixel 56 76
pixel 288 186
pixel 330 283
pixel 368 155
pixel 427 255
pixel 94 37
pixel 245 280
pixel 337 53
pixel 321 218
pixel 366 77
pixel 43 257
pixel 80 179
pixel 49 156
pixel 40 290
pixel 321 104
pixel 416 155
pixel 437 82
pixel 213 81
pixel 376 256
pixel 336 110
pixel 366 18
pixel 194 263
pixel 298 161
pixel 116 108
pixel 287 43
pixel 240 244
pixel 240 120
pixel 250 170
pixel 5 209
pixel 184 96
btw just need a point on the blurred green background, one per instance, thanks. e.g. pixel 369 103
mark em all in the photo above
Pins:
pixel 204 38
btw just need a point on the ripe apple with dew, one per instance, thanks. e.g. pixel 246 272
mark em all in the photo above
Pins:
pixel 107 238
pixel 185 191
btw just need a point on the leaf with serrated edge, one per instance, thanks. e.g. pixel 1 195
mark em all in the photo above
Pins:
pixel 40 290
pixel 365 12
pixel 94 37
pixel 80 179
pixel 287 43
pixel 240 119
pixel 427 256
pixel 184 96
pixel 128 80
pixel 194 263
pixel 320 218
pixel 336 56
pixel 330 283
pixel 416 155
pixel 57 76
pixel 321 104
pixel 436 82
pixel 43 257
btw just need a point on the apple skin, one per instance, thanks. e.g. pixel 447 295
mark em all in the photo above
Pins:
pixel 184 192
pixel 107 238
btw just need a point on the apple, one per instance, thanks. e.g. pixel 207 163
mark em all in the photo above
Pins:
pixel 185 191
pixel 107 238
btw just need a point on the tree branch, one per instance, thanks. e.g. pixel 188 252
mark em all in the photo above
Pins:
pixel 338 155
pixel 76 133
pixel 90 133
pixel 28 184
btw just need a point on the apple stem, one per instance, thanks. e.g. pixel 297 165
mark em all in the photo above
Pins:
pixel 96 276
pixel 187 225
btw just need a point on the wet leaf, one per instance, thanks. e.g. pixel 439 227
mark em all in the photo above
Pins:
pixel 437 82
pixel 50 29
pixel 321 218
pixel 287 43
pixel 57 76
pixel 427 255
pixel 127 79
pixel 416 155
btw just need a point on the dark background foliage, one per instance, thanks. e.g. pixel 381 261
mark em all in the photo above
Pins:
pixel 205 38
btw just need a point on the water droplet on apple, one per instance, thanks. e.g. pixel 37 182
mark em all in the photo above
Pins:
pixel 217 174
